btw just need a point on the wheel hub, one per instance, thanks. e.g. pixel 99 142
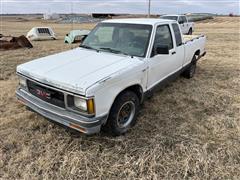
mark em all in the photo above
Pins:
pixel 126 114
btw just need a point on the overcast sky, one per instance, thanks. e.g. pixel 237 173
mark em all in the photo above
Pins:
pixel 119 6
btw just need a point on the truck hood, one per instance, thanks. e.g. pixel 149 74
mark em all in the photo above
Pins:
pixel 77 69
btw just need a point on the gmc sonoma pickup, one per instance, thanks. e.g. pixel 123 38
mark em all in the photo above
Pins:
pixel 101 84
pixel 185 26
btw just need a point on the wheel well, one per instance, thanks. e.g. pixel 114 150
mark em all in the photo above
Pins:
pixel 137 89
pixel 197 53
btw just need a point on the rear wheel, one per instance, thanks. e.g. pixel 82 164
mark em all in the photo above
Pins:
pixel 190 71
pixel 123 114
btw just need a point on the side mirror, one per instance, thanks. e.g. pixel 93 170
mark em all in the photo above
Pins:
pixel 161 49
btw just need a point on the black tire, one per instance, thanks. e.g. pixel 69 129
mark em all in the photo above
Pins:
pixel 190 71
pixel 115 126
pixel 190 31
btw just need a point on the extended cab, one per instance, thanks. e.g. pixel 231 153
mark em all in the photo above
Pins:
pixel 101 84
pixel 186 26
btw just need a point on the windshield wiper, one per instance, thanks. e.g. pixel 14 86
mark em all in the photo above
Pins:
pixel 87 47
pixel 113 50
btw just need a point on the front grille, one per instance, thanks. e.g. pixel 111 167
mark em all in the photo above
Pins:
pixel 46 94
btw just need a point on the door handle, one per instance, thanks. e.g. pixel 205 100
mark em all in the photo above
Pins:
pixel 174 52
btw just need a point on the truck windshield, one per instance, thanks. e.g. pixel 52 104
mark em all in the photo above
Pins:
pixel 170 17
pixel 119 38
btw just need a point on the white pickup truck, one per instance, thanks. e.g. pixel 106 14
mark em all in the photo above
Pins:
pixel 186 26
pixel 101 84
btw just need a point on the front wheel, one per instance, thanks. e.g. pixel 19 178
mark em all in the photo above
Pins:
pixel 123 114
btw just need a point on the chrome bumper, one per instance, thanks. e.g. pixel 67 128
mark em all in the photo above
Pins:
pixel 60 115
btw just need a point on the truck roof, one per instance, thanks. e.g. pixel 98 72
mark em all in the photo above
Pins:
pixel 149 21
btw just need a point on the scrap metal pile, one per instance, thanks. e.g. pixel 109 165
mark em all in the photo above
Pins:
pixel 79 19
pixel 11 42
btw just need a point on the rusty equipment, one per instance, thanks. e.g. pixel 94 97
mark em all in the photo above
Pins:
pixel 10 42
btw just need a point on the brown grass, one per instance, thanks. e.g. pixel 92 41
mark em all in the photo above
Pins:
pixel 189 130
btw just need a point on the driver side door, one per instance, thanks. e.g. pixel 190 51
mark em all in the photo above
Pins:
pixel 162 65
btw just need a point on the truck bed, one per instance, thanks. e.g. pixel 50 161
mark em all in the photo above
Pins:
pixel 187 38
pixel 193 44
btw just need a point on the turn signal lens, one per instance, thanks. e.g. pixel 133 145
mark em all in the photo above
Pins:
pixel 86 105
pixel 90 106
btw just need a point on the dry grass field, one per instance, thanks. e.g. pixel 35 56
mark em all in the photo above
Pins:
pixel 189 130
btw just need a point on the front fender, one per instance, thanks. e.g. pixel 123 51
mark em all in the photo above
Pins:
pixel 105 92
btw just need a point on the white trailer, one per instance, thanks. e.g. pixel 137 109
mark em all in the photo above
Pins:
pixel 41 33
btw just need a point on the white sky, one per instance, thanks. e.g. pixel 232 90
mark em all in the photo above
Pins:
pixel 119 6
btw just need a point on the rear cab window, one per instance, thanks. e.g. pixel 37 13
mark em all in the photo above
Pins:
pixel 177 34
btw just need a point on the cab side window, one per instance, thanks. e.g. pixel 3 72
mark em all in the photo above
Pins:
pixel 163 37
pixel 177 34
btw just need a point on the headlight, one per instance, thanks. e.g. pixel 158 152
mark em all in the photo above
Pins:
pixel 80 103
pixel 77 103
pixel 22 82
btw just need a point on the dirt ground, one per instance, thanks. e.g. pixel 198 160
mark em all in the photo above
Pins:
pixel 189 130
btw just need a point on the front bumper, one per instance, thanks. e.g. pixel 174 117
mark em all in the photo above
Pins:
pixel 60 115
